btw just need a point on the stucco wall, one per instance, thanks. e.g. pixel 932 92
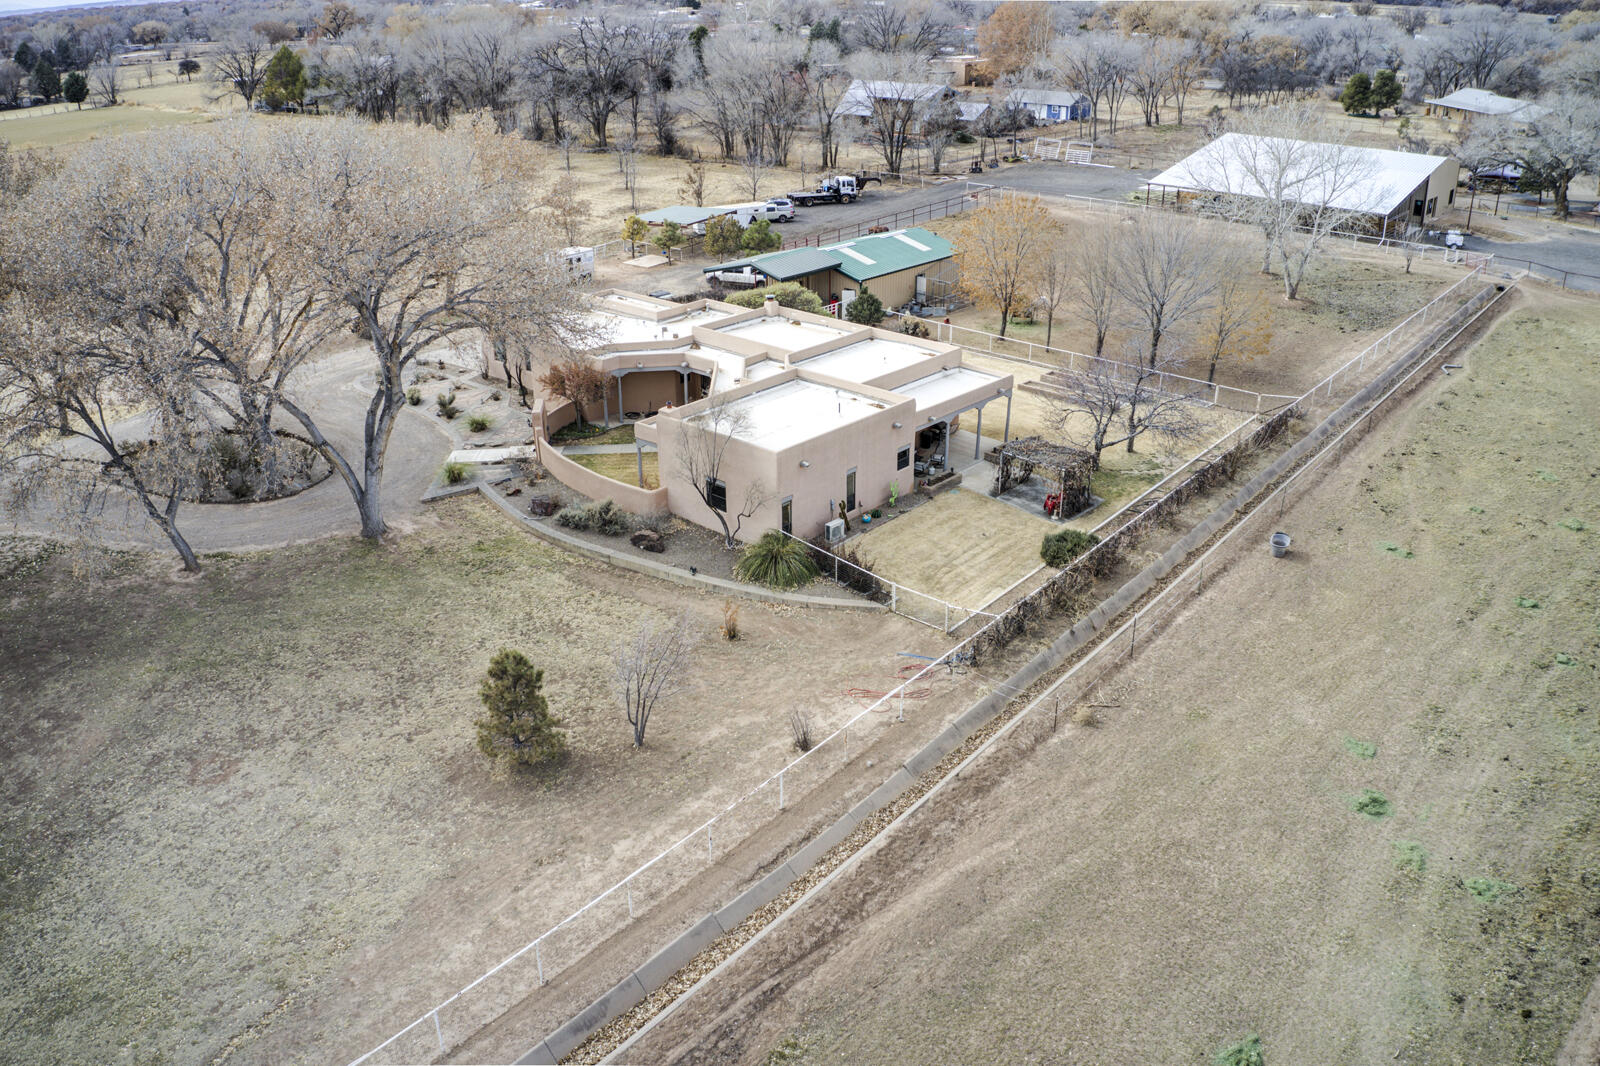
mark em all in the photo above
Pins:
pixel 630 498
pixel 648 390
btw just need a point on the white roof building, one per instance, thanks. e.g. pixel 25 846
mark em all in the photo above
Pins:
pixel 1392 184
pixel 857 100
pixel 1483 102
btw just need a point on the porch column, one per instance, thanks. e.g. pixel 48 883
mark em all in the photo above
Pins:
pixel 977 448
pixel 605 400
pixel 1006 436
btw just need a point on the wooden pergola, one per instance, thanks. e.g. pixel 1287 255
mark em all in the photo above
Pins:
pixel 1069 468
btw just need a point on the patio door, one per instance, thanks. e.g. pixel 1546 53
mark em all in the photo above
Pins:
pixel 850 491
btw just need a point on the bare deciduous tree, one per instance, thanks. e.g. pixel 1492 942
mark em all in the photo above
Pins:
pixel 1286 171
pixel 1095 299
pixel 703 442
pixel 239 66
pixel 1112 402
pixel 1166 275
pixel 753 168
pixel 651 667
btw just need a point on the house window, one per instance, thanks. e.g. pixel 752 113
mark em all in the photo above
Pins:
pixel 850 491
pixel 903 459
pixel 787 514
pixel 717 494
pixel 1416 208
pixel 1433 206
pixel 1452 198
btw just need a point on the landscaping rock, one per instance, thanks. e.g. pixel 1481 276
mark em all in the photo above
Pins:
pixel 542 506
pixel 649 539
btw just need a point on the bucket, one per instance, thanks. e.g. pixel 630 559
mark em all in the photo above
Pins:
pixel 1280 545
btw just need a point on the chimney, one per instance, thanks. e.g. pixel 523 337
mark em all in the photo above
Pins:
pixel 769 306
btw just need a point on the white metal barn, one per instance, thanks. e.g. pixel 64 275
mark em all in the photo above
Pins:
pixel 1398 187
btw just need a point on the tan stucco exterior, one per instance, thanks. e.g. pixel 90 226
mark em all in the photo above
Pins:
pixel 745 353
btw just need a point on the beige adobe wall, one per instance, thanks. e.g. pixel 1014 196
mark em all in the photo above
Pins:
pixel 630 498
pixel 742 464
pixel 646 390
pixel 870 446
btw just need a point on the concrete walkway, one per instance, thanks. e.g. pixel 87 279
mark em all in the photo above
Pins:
pixel 336 389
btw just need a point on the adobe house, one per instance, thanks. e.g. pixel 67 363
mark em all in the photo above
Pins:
pixel 808 412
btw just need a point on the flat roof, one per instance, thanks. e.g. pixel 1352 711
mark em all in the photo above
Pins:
pixel 783 334
pixel 793 412
pixel 1224 166
pixel 944 386
pixel 615 328
pixel 866 360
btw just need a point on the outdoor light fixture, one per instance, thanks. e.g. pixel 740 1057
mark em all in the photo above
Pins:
pixel 897 425
pixel 804 463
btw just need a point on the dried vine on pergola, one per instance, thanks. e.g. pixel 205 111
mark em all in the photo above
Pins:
pixel 1070 468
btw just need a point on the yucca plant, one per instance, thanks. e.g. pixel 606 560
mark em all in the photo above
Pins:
pixel 776 561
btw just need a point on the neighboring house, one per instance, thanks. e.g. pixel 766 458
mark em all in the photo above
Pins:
pixel 971 110
pixel 858 100
pixel 824 412
pixel 962 71
pixel 1464 105
pixel 1402 186
pixel 1051 105
pixel 900 267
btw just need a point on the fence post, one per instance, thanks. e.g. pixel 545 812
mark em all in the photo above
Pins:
pixel 438 1032
pixel 710 851
pixel 628 887
pixel 538 959
pixel 780 790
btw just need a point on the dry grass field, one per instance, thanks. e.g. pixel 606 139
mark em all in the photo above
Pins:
pixel 1345 802
pixel 253 799
pixel 1350 297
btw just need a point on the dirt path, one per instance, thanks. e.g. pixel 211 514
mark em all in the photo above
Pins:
pixel 1193 870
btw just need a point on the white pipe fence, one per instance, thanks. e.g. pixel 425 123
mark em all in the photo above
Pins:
pixel 454 1019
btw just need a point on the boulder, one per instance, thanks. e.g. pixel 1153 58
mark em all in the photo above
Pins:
pixel 649 539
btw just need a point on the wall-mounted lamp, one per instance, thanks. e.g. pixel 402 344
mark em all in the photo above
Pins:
pixel 804 464
pixel 897 425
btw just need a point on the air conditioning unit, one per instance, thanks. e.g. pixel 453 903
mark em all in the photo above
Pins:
pixel 835 531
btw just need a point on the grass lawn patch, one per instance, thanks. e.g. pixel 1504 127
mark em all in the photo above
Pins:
pixel 1409 855
pixel 593 434
pixel 623 467
pixel 1372 803
pixel 1361 749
